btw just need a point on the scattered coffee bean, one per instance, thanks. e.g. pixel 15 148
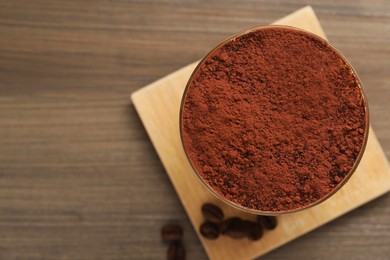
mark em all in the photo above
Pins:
pixel 209 230
pixel 176 251
pixel 237 228
pixel 267 222
pixel 171 232
pixel 256 232
pixel 212 213
pixel 226 223
pixel 233 227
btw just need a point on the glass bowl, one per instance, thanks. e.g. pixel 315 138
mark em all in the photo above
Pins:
pixel 322 199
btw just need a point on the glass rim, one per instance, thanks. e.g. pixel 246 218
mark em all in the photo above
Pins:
pixel 322 199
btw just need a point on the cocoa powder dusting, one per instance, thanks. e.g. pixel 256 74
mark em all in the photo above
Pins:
pixel 273 120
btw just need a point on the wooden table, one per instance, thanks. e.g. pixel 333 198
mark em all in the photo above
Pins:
pixel 79 178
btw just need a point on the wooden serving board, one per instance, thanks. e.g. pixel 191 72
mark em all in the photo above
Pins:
pixel 158 106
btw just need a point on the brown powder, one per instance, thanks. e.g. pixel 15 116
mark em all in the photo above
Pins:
pixel 273 120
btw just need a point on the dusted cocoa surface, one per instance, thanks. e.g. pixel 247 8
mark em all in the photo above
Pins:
pixel 273 120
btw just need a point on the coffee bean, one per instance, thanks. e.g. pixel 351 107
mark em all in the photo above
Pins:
pixel 256 232
pixel 209 230
pixel 171 232
pixel 268 222
pixel 212 213
pixel 226 223
pixel 236 228
pixel 176 251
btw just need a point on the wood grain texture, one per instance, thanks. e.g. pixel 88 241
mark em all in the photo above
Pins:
pixel 158 106
pixel 79 178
